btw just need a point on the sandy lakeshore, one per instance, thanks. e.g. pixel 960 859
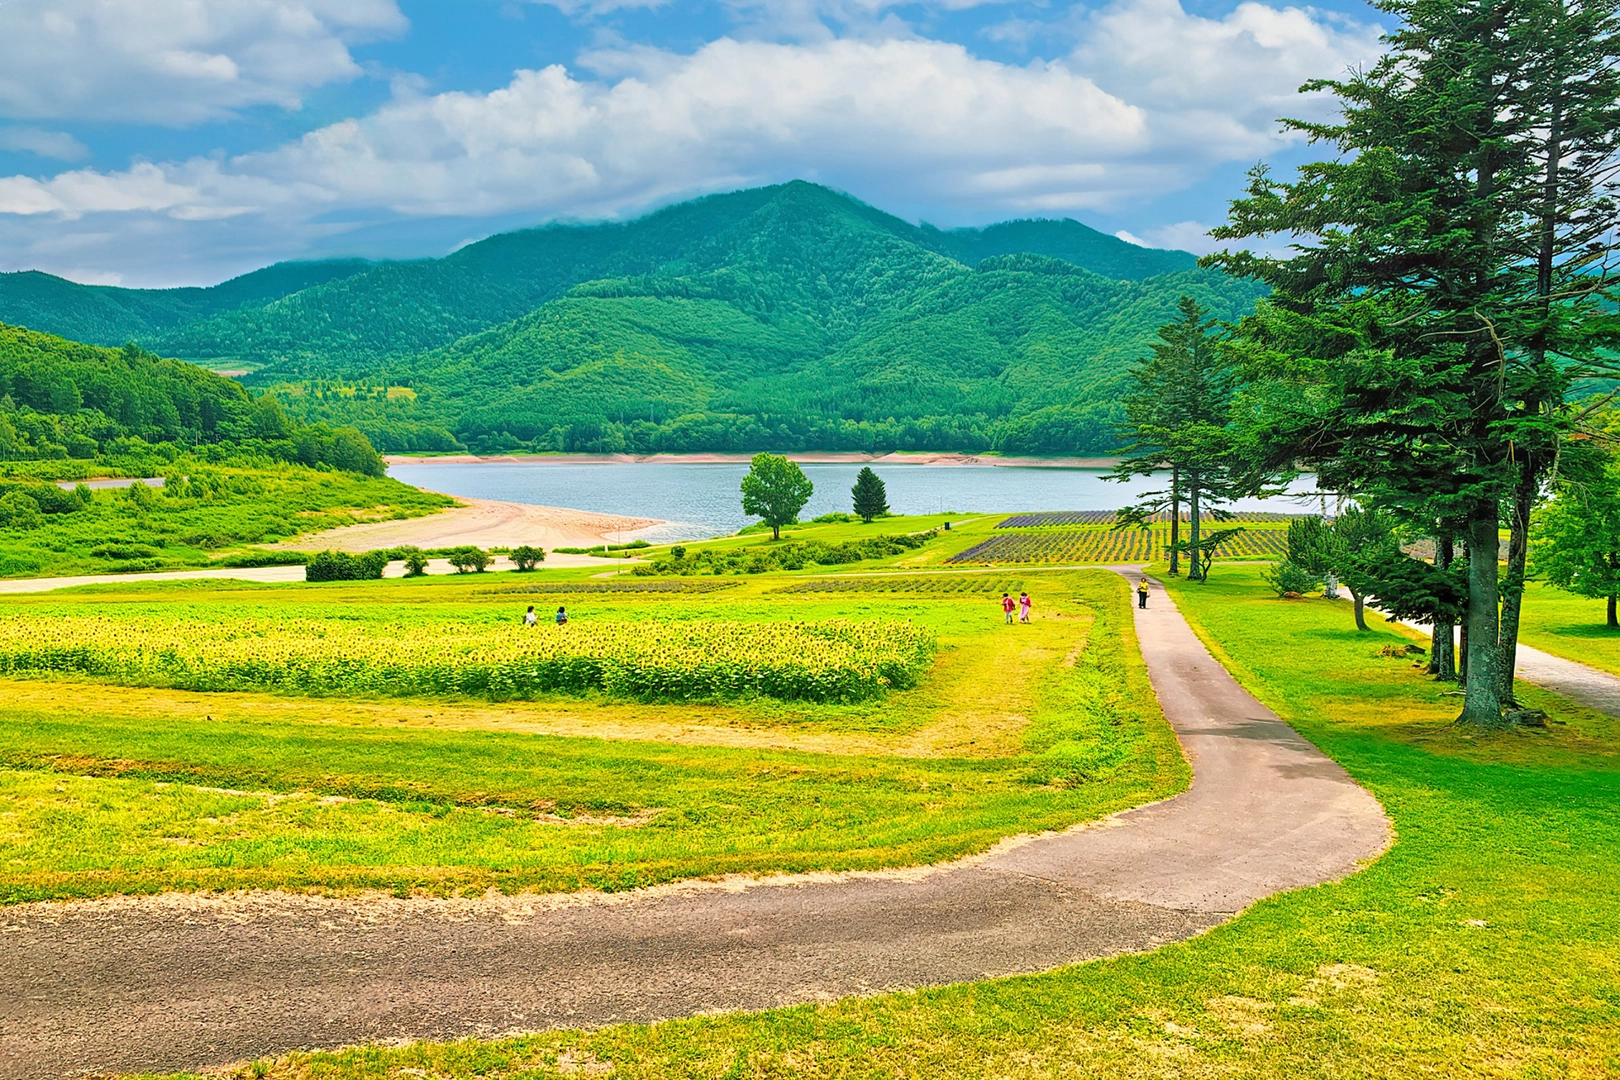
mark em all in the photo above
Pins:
pixel 807 457
pixel 484 523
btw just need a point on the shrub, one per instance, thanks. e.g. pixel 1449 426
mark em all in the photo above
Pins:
pixel 526 557
pixel 264 558
pixel 469 558
pixel 139 495
pixel 415 563
pixel 122 551
pixel 19 511
pixel 1290 579
pixel 340 566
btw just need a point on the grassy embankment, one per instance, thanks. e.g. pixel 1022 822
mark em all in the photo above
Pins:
pixel 203 515
pixel 111 789
pixel 1484 944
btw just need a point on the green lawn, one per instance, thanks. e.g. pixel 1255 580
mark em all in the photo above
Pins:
pixel 108 789
pixel 1486 943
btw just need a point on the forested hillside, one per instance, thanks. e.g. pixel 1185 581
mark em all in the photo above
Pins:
pixel 63 399
pixel 785 317
pixel 107 315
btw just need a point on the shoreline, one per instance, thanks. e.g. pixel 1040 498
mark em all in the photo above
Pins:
pixel 806 457
pixel 484 523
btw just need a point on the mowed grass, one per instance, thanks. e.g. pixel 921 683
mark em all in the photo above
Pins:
pixel 114 790
pixel 1485 943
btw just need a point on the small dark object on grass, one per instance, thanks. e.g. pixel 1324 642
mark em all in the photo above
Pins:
pixel 1402 650
pixel 1526 718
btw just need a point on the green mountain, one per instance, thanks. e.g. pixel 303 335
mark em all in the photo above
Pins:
pixel 784 317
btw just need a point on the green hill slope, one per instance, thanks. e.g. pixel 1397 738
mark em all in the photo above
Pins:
pixel 108 315
pixel 1063 239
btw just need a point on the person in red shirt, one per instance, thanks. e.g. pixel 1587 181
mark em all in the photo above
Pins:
pixel 1007 606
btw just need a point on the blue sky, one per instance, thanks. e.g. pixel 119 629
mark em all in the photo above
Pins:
pixel 168 142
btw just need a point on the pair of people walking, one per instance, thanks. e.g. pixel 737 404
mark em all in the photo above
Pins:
pixel 1022 604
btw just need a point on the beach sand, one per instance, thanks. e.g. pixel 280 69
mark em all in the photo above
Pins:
pixel 806 457
pixel 483 523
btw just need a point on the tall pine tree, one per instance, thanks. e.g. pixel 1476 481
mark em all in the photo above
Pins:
pixel 1449 269
pixel 1177 421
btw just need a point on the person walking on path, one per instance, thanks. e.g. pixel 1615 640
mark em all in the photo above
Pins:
pixel 529 617
pixel 1007 607
pixel 1023 607
pixel 1141 593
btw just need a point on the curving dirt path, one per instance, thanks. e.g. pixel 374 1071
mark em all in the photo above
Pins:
pixel 185 982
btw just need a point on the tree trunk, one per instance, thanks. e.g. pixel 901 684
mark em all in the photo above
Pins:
pixel 1175 519
pixel 776 531
pixel 1482 700
pixel 1613 622
pixel 1524 498
pixel 1361 614
pixel 1195 570
pixel 1443 642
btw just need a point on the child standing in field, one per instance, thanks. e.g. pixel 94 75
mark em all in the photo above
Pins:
pixel 1007 607
pixel 529 617
pixel 1023 607
pixel 562 616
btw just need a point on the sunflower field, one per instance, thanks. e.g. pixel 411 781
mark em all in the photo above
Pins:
pixel 679 660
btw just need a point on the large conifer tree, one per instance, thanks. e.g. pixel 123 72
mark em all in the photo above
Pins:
pixel 1448 271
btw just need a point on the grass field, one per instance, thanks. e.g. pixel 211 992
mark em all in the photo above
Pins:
pixel 1486 943
pixel 107 787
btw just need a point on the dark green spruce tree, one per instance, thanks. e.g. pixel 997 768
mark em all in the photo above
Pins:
pixel 1177 423
pixel 871 499
pixel 1449 273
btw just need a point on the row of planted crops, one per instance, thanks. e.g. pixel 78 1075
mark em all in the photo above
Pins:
pixel 645 658
pixel 1101 545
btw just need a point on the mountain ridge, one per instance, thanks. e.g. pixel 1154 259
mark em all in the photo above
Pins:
pixel 790 316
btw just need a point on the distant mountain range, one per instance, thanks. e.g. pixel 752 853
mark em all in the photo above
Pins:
pixel 786 317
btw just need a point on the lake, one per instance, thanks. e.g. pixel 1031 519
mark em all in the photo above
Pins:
pixel 702 500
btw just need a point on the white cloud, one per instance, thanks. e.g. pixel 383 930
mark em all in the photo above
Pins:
pixel 1148 102
pixel 1190 236
pixel 177 61
pixel 47 144
pixel 1220 82
pixel 1131 238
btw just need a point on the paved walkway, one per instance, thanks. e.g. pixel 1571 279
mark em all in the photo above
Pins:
pixel 1583 685
pixel 178 981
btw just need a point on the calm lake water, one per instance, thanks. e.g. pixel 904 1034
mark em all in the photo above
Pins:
pixel 702 500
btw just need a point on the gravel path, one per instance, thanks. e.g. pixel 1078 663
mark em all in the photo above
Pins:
pixel 185 982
